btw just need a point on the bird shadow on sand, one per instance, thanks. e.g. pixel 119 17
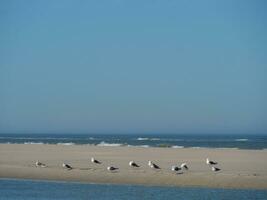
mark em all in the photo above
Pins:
pixel 84 168
pixel 137 170
pixel 114 172
pixel 69 169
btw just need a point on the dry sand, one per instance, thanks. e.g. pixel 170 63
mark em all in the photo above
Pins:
pixel 240 168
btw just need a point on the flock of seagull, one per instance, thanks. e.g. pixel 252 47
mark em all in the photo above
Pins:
pixel 133 164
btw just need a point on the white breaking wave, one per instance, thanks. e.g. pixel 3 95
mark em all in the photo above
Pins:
pixel 65 143
pixel 159 139
pixel 140 138
pixel 33 143
pixel 109 144
pixel 241 140
pixel 178 147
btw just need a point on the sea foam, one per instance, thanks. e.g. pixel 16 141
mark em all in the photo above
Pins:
pixel 103 143
pixel 33 143
pixel 65 143
pixel 241 140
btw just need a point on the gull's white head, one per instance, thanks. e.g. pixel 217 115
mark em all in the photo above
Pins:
pixel 213 169
pixel 183 164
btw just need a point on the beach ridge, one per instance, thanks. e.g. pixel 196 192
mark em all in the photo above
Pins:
pixel 239 168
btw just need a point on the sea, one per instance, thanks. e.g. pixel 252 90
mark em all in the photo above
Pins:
pixel 236 141
pixel 43 190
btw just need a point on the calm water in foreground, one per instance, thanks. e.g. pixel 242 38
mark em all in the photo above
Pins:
pixel 28 189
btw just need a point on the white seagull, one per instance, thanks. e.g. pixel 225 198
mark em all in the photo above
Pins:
pixel 93 160
pixel 39 164
pixel 153 165
pixel 133 164
pixel 215 169
pixel 209 162
pixel 67 166
pixel 184 166
pixel 111 168
pixel 149 163
pixel 175 168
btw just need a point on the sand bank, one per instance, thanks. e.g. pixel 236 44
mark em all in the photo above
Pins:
pixel 240 168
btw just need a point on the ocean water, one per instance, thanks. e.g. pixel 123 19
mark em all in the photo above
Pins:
pixel 43 190
pixel 146 140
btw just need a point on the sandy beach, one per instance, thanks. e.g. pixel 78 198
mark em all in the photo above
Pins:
pixel 239 168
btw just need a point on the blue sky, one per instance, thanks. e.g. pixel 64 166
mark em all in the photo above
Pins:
pixel 133 66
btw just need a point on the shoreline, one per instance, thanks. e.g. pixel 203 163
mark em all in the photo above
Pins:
pixel 129 146
pixel 241 169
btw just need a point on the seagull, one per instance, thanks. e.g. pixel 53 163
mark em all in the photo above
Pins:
pixel 133 164
pixel 149 163
pixel 209 162
pixel 67 166
pixel 93 160
pixel 154 166
pixel 39 164
pixel 184 166
pixel 175 168
pixel 215 169
pixel 111 168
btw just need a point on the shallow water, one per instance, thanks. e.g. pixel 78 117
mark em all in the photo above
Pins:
pixel 29 189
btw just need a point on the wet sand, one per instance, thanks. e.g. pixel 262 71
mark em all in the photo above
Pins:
pixel 239 168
